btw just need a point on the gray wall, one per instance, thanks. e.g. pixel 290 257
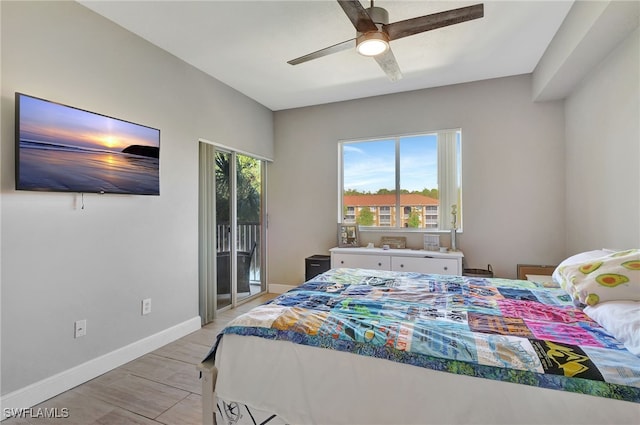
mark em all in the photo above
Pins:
pixel 61 263
pixel 603 153
pixel 512 182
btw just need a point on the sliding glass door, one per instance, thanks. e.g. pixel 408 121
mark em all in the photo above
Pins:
pixel 224 247
pixel 249 225
pixel 232 231
pixel 238 226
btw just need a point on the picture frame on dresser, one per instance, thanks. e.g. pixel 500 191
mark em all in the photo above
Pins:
pixel 348 235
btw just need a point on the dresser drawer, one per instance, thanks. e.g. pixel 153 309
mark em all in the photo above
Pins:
pixel 375 262
pixel 425 265
pixel 403 260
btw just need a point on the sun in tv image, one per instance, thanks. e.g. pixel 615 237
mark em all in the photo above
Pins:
pixel 65 149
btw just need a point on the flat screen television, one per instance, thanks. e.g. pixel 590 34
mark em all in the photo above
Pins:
pixel 60 148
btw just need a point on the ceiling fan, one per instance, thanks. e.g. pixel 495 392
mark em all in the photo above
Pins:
pixel 374 32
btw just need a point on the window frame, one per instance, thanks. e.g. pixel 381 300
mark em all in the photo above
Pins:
pixel 399 211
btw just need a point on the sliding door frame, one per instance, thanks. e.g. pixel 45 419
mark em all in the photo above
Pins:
pixel 207 229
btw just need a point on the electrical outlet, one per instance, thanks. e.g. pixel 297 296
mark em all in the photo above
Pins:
pixel 80 328
pixel 146 306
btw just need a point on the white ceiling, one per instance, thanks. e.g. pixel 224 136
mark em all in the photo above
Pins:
pixel 246 44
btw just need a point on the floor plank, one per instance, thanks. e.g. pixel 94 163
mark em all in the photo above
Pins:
pixel 162 387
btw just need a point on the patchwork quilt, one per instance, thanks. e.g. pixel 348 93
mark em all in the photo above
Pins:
pixel 508 330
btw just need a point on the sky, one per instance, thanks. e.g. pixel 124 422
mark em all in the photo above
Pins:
pixel 370 166
pixel 54 123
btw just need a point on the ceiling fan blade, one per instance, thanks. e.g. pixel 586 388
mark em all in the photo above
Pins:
pixel 349 44
pixel 387 62
pixel 358 15
pixel 420 24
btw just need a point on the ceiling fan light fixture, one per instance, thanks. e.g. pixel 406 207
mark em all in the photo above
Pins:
pixel 372 43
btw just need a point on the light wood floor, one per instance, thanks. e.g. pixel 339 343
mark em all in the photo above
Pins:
pixel 162 387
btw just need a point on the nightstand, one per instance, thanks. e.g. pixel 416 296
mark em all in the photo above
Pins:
pixel 315 265
pixel 534 270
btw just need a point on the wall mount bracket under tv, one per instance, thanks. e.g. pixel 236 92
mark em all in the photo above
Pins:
pixel 60 148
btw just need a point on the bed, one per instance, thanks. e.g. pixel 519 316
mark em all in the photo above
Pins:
pixel 357 346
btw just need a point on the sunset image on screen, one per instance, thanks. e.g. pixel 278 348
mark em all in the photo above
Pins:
pixel 68 149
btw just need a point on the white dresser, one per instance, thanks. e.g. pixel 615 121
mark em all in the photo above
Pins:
pixel 407 260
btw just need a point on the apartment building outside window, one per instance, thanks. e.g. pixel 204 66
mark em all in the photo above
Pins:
pixel 384 216
pixel 402 182
pixel 350 215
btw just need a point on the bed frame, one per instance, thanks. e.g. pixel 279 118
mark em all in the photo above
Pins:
pixel 477 400
pixel 208 373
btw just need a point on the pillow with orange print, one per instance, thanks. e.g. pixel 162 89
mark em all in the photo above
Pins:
pixel 615 277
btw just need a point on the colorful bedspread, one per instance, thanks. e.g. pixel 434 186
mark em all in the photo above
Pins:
pixel 509 330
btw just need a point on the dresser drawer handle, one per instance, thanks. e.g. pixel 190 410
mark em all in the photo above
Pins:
pixel 341 261
pixel 446 268
pixel 379 264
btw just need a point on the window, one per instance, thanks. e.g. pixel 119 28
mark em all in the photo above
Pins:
pixel 350 216
pixel 402 182
pixel 384 216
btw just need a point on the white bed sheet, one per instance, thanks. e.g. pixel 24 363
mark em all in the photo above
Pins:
pixel 308 385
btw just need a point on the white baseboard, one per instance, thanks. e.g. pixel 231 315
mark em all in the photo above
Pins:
pixel 276 288
pixel 49 387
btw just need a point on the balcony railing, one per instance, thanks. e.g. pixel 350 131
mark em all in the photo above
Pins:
pixel 248 235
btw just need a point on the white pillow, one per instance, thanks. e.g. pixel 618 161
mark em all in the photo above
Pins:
pixel 621 319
